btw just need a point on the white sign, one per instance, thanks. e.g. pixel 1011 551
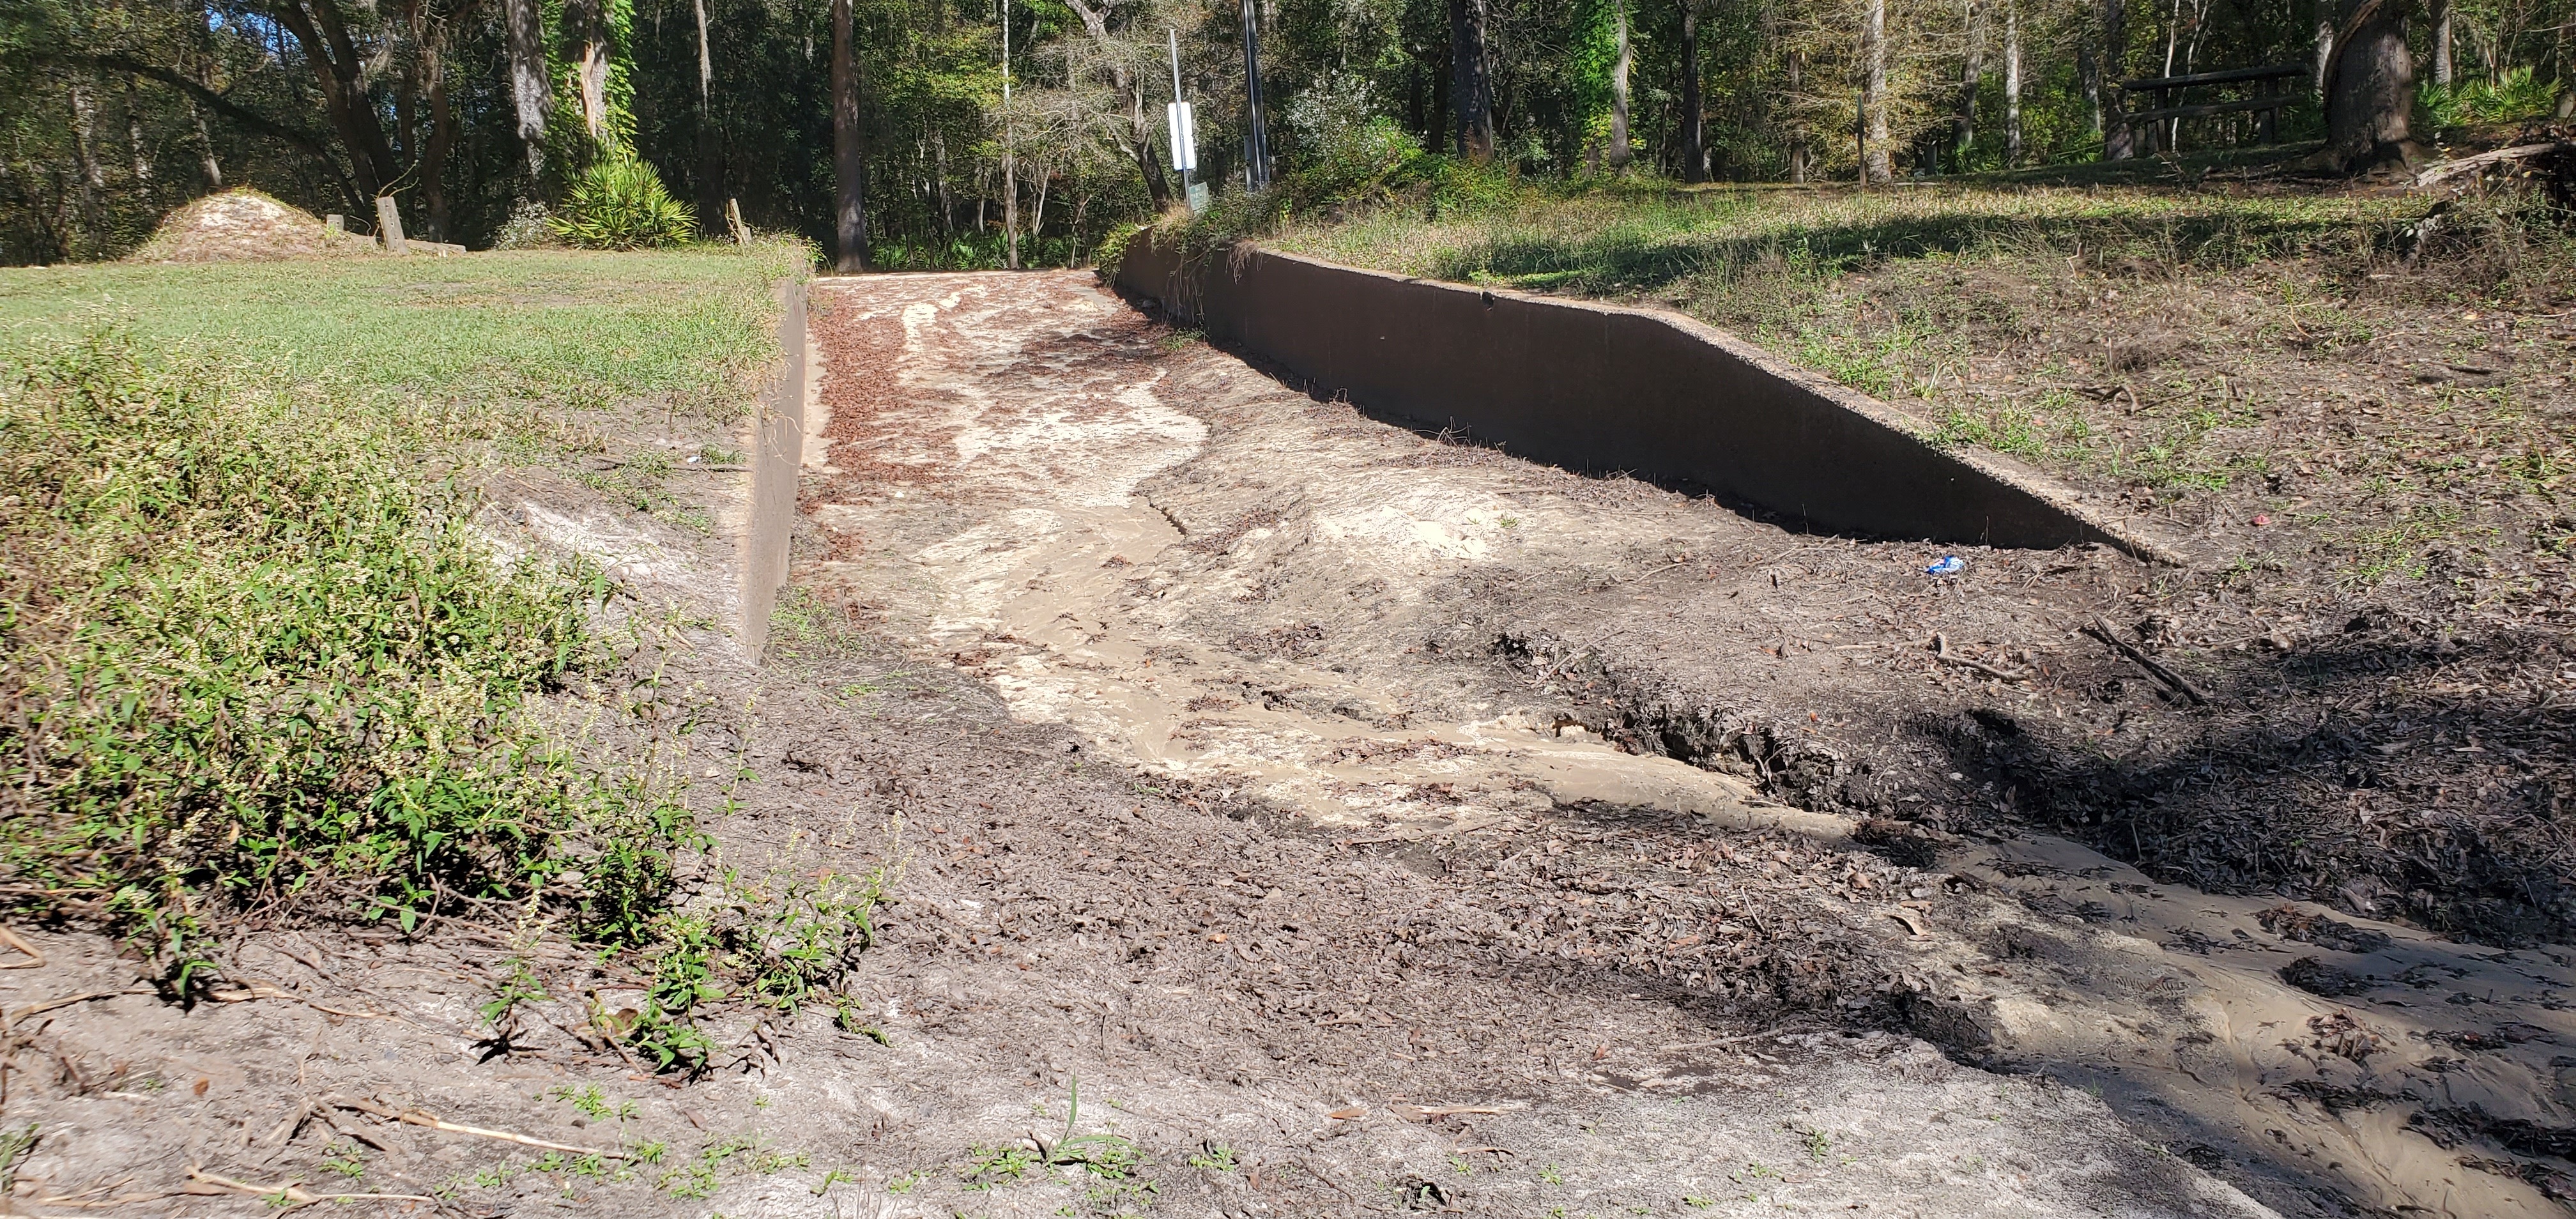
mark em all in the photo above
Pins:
pixel 1185 136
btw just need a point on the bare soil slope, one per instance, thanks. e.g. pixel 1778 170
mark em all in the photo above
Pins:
pixel 1389 640
pixel 244 225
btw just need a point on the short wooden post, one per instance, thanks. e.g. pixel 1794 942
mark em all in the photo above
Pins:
pixel 389 221
pixel 733 223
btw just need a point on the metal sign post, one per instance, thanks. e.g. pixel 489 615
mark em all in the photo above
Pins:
pixel 1184 133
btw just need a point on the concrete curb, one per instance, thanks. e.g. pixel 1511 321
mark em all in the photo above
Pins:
pixel 778 454
pixel 1599 387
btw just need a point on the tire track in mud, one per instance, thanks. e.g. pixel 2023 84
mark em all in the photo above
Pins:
pixel 1266 601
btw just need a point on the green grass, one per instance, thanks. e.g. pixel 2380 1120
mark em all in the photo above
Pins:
pixel 256 660
pixel 587 329
pixel 1628 241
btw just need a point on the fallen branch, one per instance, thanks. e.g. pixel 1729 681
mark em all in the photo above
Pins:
pixel 415 1117
pixel 2101 629
pixel 294 1192
pixel 1941 652
pixel 2447 170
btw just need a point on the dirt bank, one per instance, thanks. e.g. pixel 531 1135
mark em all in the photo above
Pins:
pixel 1244 761
pixel 1254 1017
pixel 1407 645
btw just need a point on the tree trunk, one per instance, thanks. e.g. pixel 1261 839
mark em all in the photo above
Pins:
pixel 1436 135
pixel 134 145
pixel 1801 156
pixel 2325 42
pixel 1620 152
pixel 2012 84
pixel 442 139
pixel 406 118
pixel 2117 141
pixel 93 177
pixel 1140 139
pixel 849 155
pixel 527 38
pixel 1694 106
pixel 1471 89
pixel 585 28
pixel 2088 77
pixel 710 173
pixel 2442 44
pixel 2370 88
pixel 342 76
pixel 206 161
pixel 1875 165
pixel 1972 68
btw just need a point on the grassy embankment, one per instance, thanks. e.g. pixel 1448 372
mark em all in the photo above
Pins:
pixel 258 662
pixel 2394 408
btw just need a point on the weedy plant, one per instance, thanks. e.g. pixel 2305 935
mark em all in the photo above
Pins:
pixel 252 663
pixel 780 943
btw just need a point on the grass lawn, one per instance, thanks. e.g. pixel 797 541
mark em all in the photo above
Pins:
pixel 566 326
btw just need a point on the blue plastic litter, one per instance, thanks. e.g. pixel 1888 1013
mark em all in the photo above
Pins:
pixel 1949 565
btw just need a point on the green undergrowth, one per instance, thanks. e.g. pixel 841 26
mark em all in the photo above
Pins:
pixel 258 663
pixel 254 662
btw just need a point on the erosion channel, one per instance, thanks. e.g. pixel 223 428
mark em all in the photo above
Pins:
pixel 1617 832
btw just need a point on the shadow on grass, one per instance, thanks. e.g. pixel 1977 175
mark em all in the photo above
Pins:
pixel 1636 256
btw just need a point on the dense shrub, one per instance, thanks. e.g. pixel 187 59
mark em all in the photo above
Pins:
pixel 619 203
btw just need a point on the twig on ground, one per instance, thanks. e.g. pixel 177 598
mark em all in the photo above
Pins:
pixel 47 1005
pixel 294 1192
pixel 34 959
pixel 1941 652
pixel 251 991
pixel 2101 629
pixel 415 1117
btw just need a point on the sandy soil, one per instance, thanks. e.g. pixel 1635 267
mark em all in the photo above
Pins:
pixel 1390 640
pixel 1255 773
pixel 246 226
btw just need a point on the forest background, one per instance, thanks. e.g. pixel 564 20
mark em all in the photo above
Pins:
pixel 481 117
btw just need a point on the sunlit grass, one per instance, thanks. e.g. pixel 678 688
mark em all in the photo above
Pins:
pixel 579 327
pixel 1631 241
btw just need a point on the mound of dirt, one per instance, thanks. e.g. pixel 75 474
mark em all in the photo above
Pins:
pixel 246 226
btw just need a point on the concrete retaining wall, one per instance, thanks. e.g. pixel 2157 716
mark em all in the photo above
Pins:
pixel 1599 388
pixel 777 455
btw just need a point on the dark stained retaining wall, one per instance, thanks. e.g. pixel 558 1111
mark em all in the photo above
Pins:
pixel 1597 388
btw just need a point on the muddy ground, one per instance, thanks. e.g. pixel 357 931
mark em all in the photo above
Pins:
pixel 2351 421
pixel 1255 773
